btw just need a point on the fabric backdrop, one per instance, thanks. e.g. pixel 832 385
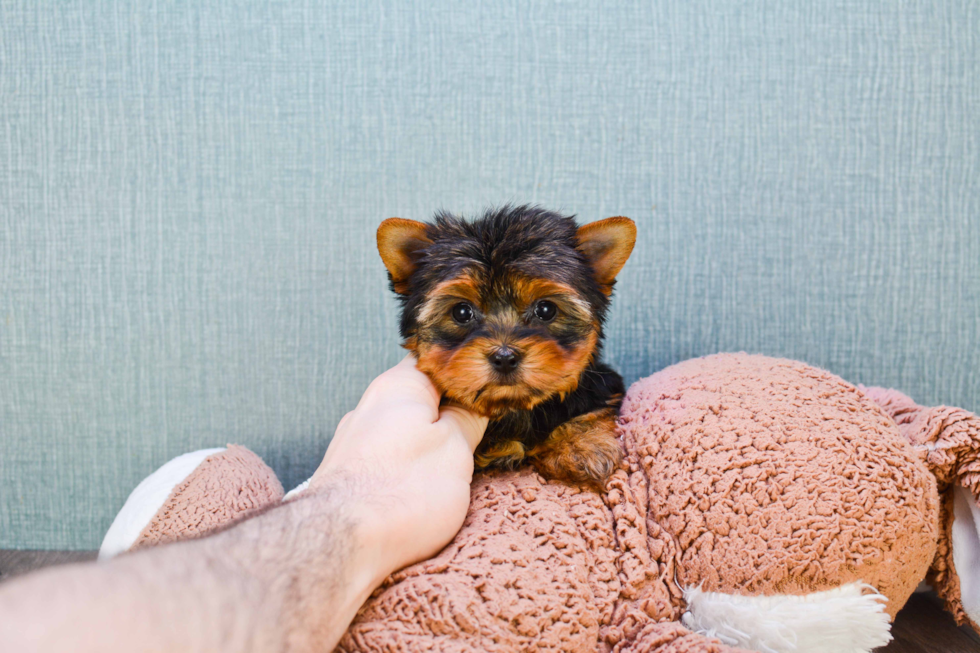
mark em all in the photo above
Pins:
pixel 189 194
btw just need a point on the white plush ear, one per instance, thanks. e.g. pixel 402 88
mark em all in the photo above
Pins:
pixel 847 619
pixel 148 497
pixel 965 536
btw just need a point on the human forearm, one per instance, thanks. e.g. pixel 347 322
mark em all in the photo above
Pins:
pixel 392 489
pixel 290 579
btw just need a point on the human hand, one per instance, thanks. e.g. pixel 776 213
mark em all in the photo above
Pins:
pixel 407 463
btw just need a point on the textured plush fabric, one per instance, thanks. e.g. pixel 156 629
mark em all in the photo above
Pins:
pixel 773 475
pixel 189 193
pixel 537 566
pixel 743 474
pixel 948 440
pixel 225 488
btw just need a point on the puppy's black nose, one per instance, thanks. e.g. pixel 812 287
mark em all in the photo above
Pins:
pixel 504 359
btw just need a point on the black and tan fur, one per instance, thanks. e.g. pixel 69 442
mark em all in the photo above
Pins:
pixel 534 370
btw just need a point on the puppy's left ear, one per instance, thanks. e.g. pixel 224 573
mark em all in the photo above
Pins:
pixel 607 244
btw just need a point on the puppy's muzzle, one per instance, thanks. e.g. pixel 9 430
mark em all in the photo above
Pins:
pixel 504 360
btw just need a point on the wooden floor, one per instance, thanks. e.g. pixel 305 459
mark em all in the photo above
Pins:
pixel 921 627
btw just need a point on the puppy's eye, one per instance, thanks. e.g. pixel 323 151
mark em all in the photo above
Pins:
pixel 462 313
pixel 545 311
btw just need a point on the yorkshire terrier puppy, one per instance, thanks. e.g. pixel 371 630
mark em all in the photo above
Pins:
pixel 505 315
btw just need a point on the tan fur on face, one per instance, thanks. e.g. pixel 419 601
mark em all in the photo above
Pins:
pixel 465 375
pixel 462 288
pixel 530 290
pixel 547 366
pixel 459 374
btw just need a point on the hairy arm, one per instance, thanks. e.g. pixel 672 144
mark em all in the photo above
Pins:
pixel 392 489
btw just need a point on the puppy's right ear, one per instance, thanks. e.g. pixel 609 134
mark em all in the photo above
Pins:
pixel 399 241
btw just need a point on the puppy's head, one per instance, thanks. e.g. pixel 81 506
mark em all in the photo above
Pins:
pixel 506 311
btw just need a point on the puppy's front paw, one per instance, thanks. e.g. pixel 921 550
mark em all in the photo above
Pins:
pixel 507 454
pixel 583 451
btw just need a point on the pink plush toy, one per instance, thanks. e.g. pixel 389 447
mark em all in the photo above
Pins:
pixel 763 504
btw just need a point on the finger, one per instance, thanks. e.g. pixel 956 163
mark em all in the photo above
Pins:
pixel 408 361
pixel 400 384
pixel 471 425
pixel 408 371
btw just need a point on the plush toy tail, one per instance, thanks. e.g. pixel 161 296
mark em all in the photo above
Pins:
pixel 948 439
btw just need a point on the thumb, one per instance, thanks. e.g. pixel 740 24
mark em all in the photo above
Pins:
pixel 471 425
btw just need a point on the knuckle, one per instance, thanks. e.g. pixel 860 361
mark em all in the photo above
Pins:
pixel 382 385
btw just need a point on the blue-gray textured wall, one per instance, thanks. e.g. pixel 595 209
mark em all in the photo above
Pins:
pixel 189 193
